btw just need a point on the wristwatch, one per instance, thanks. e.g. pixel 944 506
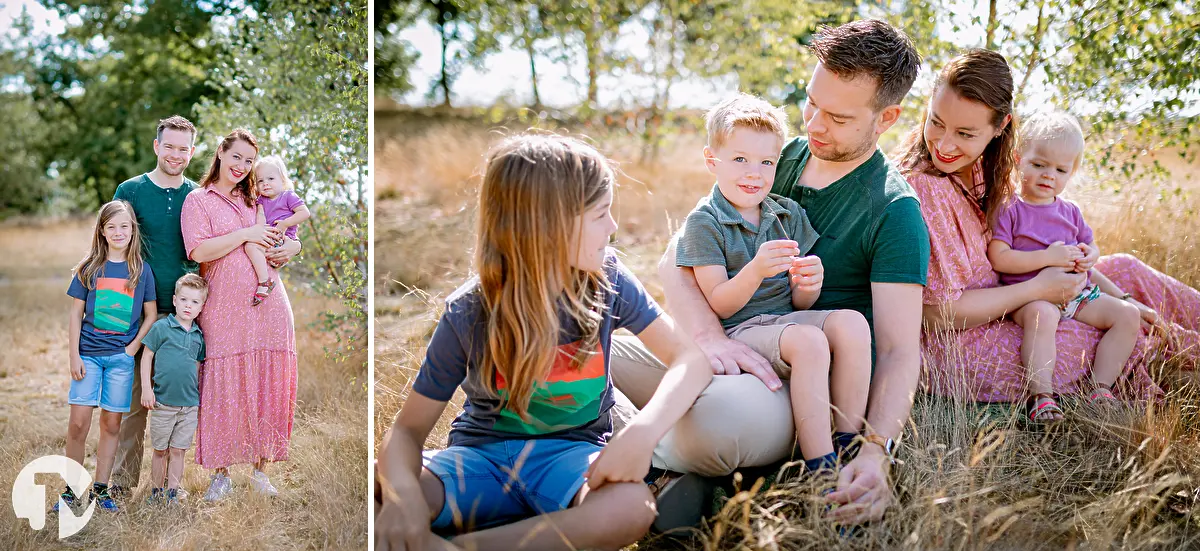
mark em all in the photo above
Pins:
pixel 888 445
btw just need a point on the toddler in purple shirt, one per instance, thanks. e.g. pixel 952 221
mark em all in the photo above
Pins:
pixel 1040 230
pixel 278 206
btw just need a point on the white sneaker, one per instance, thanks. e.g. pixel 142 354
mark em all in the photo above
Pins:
pixel 262 484
pixel 221 486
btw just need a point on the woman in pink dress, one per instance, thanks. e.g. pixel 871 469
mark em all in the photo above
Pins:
pixel 248 381
pixel 962 164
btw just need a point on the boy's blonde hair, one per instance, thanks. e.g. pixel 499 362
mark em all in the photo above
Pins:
pixel 744 111
pixel 192 281
pixel 1048 126
pixel 277 162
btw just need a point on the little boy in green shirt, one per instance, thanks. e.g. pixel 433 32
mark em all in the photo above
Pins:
pixel 170 389
pixel 745 246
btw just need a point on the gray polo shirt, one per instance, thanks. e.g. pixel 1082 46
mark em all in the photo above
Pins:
pixel 176 353
pixel 716 234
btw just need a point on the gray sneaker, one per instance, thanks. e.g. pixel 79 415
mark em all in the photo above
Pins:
pixel 221 486
pixel 262 484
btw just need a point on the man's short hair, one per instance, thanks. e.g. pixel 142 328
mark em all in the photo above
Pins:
pixel 744 111
pixel 192 281
pixel 874 49
pixel 176 122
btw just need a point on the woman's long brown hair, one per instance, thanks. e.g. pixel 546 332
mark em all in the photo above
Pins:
pixel 534 190
pixel 248 187
pixel 90 267
pixel 982 76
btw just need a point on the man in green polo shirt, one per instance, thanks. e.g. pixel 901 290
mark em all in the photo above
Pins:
pixel 157 199
pixel 875 251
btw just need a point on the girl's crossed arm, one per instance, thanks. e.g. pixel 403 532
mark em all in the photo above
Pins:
pixel 405 516
pixel 626 458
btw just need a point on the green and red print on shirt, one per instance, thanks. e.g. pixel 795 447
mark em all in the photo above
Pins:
pixel 569 397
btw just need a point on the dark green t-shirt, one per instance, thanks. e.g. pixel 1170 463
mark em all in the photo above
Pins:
pixel 158 211
pixel 870 224
pixel 177 352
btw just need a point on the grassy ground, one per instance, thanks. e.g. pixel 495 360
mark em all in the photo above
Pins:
pixel 322 502
pixel 971 478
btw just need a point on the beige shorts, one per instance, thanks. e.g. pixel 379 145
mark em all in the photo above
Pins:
pixel 762 333
pixel 172 427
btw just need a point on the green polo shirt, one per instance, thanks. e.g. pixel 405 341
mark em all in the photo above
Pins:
pixel 716 234
pixel 158 210
pixel 176 353
pixel 870 224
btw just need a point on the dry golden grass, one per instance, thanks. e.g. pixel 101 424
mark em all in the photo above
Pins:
pixel 323 488
pixel 971 479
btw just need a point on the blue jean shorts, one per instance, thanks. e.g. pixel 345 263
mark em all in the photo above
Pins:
pixel 502 482
pixel 107 382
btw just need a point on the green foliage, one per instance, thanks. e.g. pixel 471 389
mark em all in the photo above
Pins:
pixel 24 186
pixel 295 75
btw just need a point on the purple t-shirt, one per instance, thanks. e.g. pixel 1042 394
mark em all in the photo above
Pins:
pixel 281 207
pixel 1027 227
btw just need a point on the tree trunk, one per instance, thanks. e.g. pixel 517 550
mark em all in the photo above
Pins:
pixel 591 38
pixel 990 42
pixel 445 80
pixel 533 79
pixel 1035 49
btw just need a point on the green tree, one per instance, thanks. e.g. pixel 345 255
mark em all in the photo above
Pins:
pixel 295 74
pixel 24 184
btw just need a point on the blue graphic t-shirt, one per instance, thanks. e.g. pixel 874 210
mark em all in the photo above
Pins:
pixel 112 314
pixel 571 404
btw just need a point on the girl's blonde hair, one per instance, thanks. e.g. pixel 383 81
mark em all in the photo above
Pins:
pixel 90 267
pixel 277 162
pixel 1051 126
pixel 534 189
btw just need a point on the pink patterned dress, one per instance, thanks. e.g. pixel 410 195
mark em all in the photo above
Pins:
pixel 984 363
pixel 248 381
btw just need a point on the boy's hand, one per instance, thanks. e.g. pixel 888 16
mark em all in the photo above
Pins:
pixel 807 274
pixel 774 257
pixel 624 459
pixel 148 400
pixel 1063 256
pixel 77 369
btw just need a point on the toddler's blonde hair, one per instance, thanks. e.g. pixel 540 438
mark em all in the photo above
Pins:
pixel 1051 126
pixel 744 111
pixel 277 162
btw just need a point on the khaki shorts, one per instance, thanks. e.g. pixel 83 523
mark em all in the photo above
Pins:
pixel 172 427
pixel 763 332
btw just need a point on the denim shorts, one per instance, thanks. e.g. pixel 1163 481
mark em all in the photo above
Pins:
pixel 107 382
pixel 502 482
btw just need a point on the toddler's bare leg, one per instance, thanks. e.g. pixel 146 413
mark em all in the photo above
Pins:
pixel 806 350
pixel 850 377
pixel 258 259
pixel 1039 319
pixel 1122 322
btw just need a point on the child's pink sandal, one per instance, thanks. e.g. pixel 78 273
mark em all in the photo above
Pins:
pixel 264 289
pixel 1102 395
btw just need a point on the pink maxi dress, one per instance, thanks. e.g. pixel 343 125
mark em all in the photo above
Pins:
pixel 984 363
pixel 248 381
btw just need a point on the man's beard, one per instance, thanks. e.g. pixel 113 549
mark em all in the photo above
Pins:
pixel 163 166
pixel 840 155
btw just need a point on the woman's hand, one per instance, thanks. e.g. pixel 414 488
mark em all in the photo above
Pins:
pixel 1150 317
pixel 77 369
pixel 266 236
pixel 626 458
pixel 1058 285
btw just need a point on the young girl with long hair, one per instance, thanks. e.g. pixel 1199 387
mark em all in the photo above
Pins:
pixel 114 297
pixel 530 462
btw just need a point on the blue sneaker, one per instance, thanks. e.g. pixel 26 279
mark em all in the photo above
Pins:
pixel 68 497
pixel 156 496
pixel 172 495
pixel 103 499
